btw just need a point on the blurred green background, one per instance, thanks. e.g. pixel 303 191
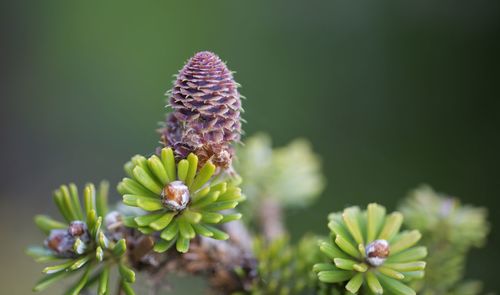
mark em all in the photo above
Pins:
pixel 391 94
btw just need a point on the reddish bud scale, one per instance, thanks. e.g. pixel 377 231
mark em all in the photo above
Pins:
pixel 61 241
pixel 206 111
pixel 77 228
pixel 377 251
pixel 175 196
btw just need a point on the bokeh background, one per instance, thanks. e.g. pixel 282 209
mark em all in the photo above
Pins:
pixel 392 94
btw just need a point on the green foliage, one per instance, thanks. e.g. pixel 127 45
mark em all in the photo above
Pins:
pixel 291 174
pixel 449 231
pixel 79 243
pixel 180 200
pixel 370 253
pixel 284 268
pixel 174 196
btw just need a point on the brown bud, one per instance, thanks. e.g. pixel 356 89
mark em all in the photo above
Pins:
pixel 175 196
pixel 77 228
pixel 61 243
pixel 376 252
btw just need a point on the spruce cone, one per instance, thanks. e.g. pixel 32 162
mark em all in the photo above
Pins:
pixel 206 111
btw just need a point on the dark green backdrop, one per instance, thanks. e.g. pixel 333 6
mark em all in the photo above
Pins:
pixel 391 94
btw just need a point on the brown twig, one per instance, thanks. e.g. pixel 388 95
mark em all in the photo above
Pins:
pixel 228 265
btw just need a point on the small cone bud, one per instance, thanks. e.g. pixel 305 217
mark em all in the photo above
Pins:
pixel 175 196
pixel 376 252
pixel 61 243
pixel 78 229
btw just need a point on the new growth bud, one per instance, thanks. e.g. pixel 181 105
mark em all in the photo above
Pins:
pixel 175 196
pixel 62 241
pixel 78 229
pixel 376 252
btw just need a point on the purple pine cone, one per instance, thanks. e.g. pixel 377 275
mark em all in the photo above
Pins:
pixel 206 111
